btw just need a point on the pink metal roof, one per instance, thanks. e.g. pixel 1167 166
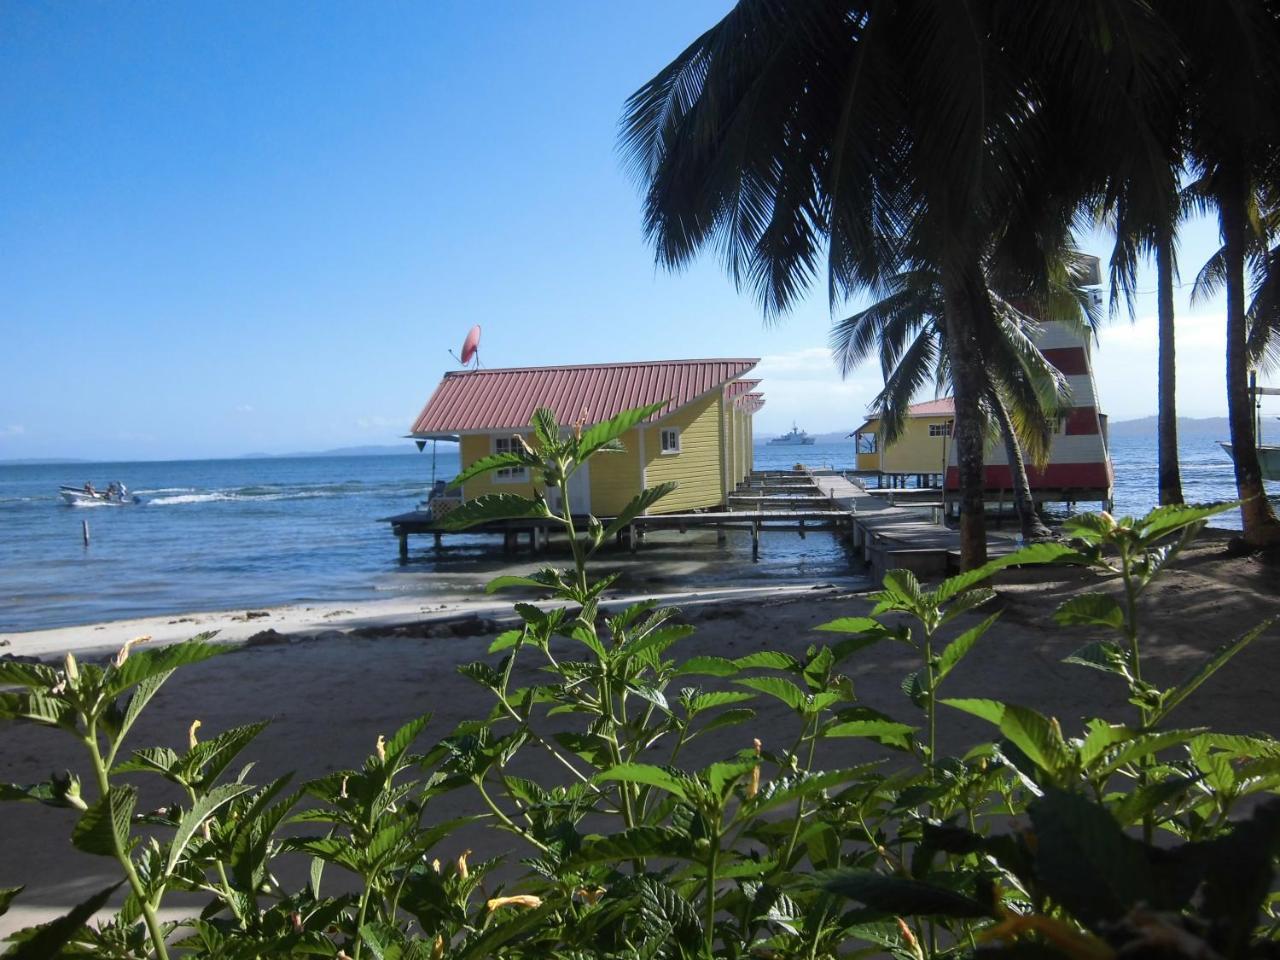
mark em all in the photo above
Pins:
pixel 505 399
pixel 933 408
pixel 739 387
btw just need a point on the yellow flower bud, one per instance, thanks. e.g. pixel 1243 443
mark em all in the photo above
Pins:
pixel 381 748
pixel 191 734
pixel 73 672
pixel 123 653
pixel 526 900
pixel 461 863
pixel 437 948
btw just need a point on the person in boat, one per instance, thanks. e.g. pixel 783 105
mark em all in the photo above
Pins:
pixel 88 488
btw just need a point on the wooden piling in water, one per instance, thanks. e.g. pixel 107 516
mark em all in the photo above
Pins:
pixel 84 526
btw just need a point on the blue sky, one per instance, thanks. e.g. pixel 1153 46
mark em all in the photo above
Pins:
pixel 234 228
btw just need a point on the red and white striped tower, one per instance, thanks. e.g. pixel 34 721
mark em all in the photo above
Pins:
pixel 1079 468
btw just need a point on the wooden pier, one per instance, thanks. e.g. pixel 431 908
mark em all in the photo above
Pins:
pixel 888 528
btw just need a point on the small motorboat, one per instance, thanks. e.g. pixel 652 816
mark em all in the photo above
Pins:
pixel 117 494
pixel 1268 459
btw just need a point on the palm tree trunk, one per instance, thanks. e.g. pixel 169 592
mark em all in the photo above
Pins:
pixel 1260 525
pixel 1032 528
pixel 967 379
pixel 1170 473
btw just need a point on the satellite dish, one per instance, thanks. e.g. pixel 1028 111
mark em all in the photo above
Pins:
pixel 471 346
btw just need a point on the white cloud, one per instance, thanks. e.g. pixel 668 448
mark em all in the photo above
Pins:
pixel 244 408
pixel 804 386
pixel 13 430
pixel 377 423
pixel 1124 365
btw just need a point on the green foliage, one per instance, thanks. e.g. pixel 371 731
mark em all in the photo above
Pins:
pixel 622 848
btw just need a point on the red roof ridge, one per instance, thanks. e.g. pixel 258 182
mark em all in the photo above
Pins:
pixel 602 366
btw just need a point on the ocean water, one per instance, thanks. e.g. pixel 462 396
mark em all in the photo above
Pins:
pixel 224 534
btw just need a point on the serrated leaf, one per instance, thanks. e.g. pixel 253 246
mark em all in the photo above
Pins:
pixel 48 939
pixel 1085 861
pixel 610 430
pixel 1165 520
pixel 1211 665
pixel 495 461
pixel 767 660
pixel 707 666
pixel 505 641
pixel 716 698
pixel 899 896
pixel 647 774
pixel 1091 609
pixel 1101 655
pixel 199 812
pixel 104 827
pixel 780 689
pixel 638 504
pixel 494 506
pixel 1033 733
pixel 851 625
pixel 38 676
pixel 143 664
pixel 957 649
pixel 6 897
pixel 38 708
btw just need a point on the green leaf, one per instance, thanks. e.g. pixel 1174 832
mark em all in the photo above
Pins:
pixel 495 461
pixel 104 827
pixel 767 660
pixel 1207 669
pixel 199 812
pixel 707 666
pixel 1091 609
pixel 716 698
pixel 647 774
pixel 780 689
pixel 6 897
pixel 38 708
pixel 961 645
pixel 38 676
pixel 638 504
pixel 886 731
pixel 899 896
pixel 145 664
pixel 494 506
pixel 652 841
pixel 596 437
pixel 1085 861
pixel 47 940
pixel 1102 655
pixel 1033 733
pixel 851 625
pixel 542 580
pixel 901 591
pixel 505 641
pixel 1037 553
pixel 1163 521
pixel 1148 745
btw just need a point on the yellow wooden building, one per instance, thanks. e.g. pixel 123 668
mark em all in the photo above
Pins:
pixel 922 448
pixel 700 439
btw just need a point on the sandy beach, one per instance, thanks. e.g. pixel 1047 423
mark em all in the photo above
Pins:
pixel 332 678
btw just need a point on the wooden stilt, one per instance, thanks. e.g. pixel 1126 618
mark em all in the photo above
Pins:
pixel 720 534
pixel 439 540
pixel 404 547
pixel 633 538
pixel 755 542
pixel 84 527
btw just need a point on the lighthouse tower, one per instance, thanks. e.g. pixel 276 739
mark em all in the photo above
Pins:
pixel 1079 468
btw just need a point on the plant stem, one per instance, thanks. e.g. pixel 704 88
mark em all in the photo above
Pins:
pixel 507 821
pixel 122 855
pixel 713 858
pixel 364 907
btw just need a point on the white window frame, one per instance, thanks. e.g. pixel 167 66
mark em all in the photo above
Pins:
pixel 508 474
pixel 940 429
pixel 669 441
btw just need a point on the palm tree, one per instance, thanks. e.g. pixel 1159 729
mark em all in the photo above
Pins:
pixel 1233 133
pixel 896 135
pixel 1023 393
pixel 1143 205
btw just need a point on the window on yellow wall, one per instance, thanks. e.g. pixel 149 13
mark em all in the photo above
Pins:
pixel 508 474
pixel 940 429
pixel 670 440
